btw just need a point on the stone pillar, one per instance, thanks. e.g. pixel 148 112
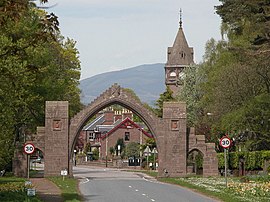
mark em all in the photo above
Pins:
pixel 172 140
pixel 56 138
pixel 19 163
pixel 210 161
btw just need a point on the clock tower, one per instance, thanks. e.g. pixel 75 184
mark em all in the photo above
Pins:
pixel 179 56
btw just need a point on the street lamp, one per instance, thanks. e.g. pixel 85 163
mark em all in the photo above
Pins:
pixel 154 151
pixel 147 153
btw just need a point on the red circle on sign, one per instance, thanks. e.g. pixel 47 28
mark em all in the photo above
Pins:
pixel 225 142
pixel 29 148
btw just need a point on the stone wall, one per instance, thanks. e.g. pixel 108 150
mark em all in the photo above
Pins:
pixel 210 161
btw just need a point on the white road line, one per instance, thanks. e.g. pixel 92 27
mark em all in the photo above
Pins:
pixel 143 194
pixel 153 200
pixel 136 190
pixel 130 186
pixel 86 180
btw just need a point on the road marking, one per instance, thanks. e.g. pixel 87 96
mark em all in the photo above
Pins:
pixel 143 194
pixel 86 180
pixel 136 190
pixel 130 186
pixel 153 200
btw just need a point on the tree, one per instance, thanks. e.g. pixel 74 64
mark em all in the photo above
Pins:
pixel 164 97
pixel 133 149
pixel 151 142
pixel 236 73
pixel 112 151
pixel 36 64
pixel 87 148
pixel 95 154
pixel 190 94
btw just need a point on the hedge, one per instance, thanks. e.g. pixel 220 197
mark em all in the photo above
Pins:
pixel 253 160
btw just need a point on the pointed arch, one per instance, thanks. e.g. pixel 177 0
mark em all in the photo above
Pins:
pixel 114 95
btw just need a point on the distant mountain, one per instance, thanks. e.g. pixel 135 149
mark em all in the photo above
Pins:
pixel 147 81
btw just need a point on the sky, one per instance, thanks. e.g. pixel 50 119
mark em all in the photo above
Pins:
pixel 118 34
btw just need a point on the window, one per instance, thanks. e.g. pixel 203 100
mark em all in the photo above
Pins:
pixel 172 74
pixel 127 136
pixel 91 136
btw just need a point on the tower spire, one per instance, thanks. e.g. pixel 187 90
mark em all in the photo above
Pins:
pixel 180 20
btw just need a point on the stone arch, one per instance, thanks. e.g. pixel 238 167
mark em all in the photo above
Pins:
pixel 210 161
pixel 191 169
pixel 170 133
pixel 114 95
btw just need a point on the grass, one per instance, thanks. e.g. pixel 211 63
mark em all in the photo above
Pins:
pixel 215 187
pixel 13 189
pixel 224 196
pixel 69 188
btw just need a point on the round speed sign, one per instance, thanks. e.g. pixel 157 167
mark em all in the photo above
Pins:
pixel 225 142
pixel 29 148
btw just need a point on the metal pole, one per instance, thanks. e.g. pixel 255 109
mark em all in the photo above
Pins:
pixel 147 166
pixel 154 166
pixel 225 159
pixel 28 166
pixel 106 152
pixel 141 148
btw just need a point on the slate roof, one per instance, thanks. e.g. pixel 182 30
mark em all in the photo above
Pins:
pixel 180 54
pixel 97 121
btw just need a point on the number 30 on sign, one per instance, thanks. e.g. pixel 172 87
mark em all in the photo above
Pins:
pixel 225 142
pixel 29 148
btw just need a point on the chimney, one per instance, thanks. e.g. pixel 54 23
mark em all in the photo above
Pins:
pixel 117 116
pixel 127 114
pixel 109 117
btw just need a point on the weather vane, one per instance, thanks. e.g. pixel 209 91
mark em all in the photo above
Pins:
pixel 180 21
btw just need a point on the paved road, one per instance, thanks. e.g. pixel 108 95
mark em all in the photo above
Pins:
pixel 112 185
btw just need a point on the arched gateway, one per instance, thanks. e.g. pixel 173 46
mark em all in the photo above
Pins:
pixel 170 132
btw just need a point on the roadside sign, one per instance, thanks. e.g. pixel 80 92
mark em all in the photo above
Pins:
pixel 29 148
pixel 31 192
pixel 225 142
pixel 64 172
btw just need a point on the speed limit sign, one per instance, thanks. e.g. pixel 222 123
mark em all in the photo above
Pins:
pixel 29 148
pixel 225 142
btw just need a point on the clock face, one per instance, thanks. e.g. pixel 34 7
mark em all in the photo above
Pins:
pixel 172 74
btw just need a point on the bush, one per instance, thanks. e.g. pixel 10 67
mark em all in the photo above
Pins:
pixel 253 160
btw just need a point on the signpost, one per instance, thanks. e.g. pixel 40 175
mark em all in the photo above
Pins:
pixel 29 149
pixel 147 153
pixel 225 142
pixel 64 173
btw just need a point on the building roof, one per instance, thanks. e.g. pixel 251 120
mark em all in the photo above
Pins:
pixel 125 123
pixel 180 54
pixel 97 121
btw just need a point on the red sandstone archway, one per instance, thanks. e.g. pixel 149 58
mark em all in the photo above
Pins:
pixel 114 95
pixel 170 133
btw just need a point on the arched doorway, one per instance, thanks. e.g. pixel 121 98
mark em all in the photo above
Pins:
pixel 195 162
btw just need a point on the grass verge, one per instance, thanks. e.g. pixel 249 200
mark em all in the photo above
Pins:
pixel 69 188
pixel 215 187
pixel 13 189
